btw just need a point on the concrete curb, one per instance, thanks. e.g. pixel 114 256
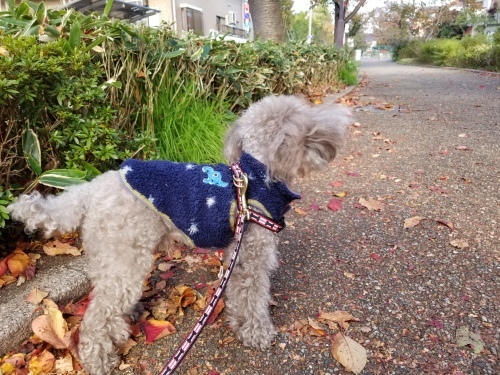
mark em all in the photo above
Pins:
pixel 479 71
pixel 65 281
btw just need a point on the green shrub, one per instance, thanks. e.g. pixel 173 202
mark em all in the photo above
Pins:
pixel 349 73
pixel 6 198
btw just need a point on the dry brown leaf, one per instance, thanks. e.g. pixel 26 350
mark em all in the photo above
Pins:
pixel 36 296
pixel 18 262
pixel 458 243
pixel 51 328
pixel 412 221
pixel 42 363
pixel 340 317
pixel 349 353
pixel 371 204
pixel 57 247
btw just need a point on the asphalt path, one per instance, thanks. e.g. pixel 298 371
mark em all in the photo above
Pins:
pixel 425 149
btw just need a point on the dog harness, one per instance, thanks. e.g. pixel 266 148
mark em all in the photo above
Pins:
pixel 200 199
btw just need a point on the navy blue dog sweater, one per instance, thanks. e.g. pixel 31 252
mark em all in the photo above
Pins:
pixel 200 199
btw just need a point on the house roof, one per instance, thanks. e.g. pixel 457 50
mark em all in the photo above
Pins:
pixel 120 9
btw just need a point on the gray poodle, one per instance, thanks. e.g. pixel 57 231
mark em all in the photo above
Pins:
pixel 124 215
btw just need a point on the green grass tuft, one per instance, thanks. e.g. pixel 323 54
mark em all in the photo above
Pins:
pixel 189 126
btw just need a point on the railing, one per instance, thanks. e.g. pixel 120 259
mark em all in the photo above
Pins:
pixel 226 29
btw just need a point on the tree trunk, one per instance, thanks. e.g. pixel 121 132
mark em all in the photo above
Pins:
pixel 267 20
pixel 339 30
pixel 341 20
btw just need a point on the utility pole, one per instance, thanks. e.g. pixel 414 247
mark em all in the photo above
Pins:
pixel 309 31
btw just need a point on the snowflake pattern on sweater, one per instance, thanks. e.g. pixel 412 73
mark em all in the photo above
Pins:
pixel 200 198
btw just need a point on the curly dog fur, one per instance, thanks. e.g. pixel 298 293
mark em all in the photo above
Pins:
pixel 120 233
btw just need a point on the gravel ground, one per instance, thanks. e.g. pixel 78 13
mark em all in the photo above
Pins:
pixel 426 144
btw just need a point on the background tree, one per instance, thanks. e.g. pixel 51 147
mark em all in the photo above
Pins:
pixel 342 17
pixel 267 19
pixel 322 26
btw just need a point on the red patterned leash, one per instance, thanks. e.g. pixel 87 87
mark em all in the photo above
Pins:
pixel 244 214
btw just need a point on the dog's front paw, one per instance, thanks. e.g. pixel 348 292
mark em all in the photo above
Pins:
pixel 256 334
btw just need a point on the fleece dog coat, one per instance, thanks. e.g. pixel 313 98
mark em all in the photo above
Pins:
pixel 200 199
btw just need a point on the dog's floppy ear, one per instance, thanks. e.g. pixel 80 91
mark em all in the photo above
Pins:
pixel 325 136
pixel 233 146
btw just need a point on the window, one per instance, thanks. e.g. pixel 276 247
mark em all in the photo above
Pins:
pixel 192 20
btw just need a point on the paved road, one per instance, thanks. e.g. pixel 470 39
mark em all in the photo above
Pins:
pixel 431 151
pixel 426 145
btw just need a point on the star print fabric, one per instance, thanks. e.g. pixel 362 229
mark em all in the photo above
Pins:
pixel 198 198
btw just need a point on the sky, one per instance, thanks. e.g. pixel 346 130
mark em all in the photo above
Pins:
pixel 303 5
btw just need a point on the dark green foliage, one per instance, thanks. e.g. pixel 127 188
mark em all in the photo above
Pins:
pixel 80 93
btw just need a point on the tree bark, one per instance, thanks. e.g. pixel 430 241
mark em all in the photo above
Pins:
pixel 267 20
pixel 341 20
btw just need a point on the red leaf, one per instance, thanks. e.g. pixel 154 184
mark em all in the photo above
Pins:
pixel 448 224
pixel 315 207
pixel 336 183
pixel 167 275
pixel 352 173
pixel 436 323
pixel 156 329
pixel 335 204
pixel 463 148
pixel 376 256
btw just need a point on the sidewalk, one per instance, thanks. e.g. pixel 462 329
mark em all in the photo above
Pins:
pixel 427 146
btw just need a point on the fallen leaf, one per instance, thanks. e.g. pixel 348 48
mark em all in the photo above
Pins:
pixel 465 337
pixel 51 327
pixel 18 263
pixel 41 363
pixel 336 183
pixel 300 211
pixel 349 275
pixel 412 221
pixel 339 317
pixel 463 148
pixel 335 204
pixel 376 256
pixel 371 204
pixel 462 135
pixel 315 329
pixel 57 247
pixel 165 266
pixel 315 207
pixel 340 194
pixel 436 323
pixel 349 353
pixel 36 296
pixel 156 329
pixel 458 243
pixel 218 308
pixel 352 173
pixel 448 224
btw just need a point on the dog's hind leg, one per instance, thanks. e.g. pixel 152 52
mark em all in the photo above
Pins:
pixel 248 292
pixel 120 234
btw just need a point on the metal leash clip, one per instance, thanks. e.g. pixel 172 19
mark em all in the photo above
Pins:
pixel 241 183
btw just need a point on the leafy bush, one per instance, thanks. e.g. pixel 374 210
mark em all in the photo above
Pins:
pixel 89 93
pixel 6 198
pixel 408 50
pixel 349 73
pixel 475 52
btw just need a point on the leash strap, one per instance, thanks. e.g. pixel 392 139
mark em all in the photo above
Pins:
pixel 240 181
pixel 181 352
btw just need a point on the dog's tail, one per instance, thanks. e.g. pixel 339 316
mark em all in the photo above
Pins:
pixel 61 213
